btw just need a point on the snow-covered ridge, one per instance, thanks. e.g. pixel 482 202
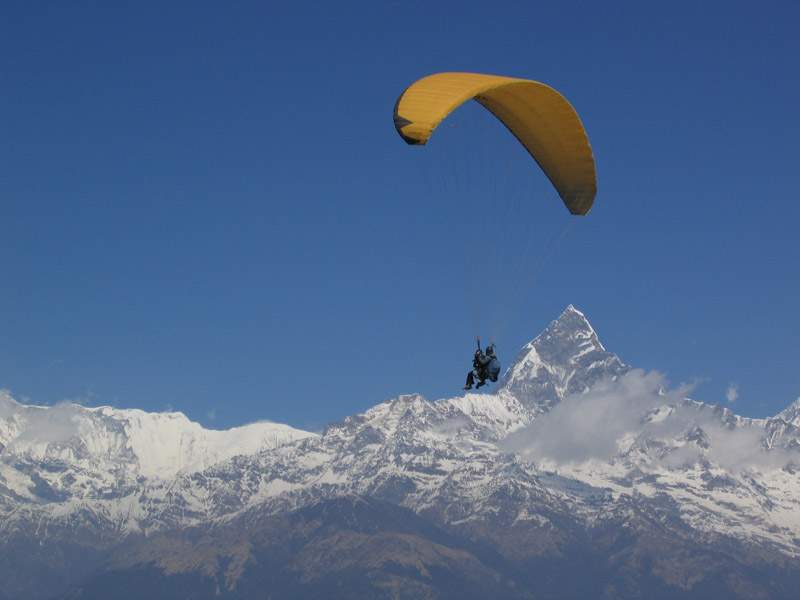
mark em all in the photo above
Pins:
pixel 150 445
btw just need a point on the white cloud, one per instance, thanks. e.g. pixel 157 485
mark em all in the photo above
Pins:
pixel 58 423
pixel 590 425
pixel 604 421
pixel 732 393
pixel 37 426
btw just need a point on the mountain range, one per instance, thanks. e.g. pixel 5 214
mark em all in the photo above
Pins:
pixel 578 476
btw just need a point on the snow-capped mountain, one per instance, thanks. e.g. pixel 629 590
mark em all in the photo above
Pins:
pixel 566 358
pixel 64 463
pixel 573 455
pixel 791 414
pixel 149 445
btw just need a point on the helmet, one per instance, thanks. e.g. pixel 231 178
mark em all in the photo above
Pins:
pixel 490 350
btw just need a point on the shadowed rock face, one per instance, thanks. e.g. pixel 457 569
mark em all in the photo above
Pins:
pixel 411 498
pixel 345 547
pixel 360 548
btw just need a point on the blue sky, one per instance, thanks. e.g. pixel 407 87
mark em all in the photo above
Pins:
pixel 204 206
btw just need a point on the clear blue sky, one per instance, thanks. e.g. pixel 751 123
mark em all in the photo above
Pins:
pixel 204 205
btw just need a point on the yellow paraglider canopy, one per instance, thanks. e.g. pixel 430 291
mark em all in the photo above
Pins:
pixel 540 118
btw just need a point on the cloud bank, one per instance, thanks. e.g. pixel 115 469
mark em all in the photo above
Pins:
pixel 639 410
pixel 732 393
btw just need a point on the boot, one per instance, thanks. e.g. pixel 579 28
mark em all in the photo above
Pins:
pixel 470 381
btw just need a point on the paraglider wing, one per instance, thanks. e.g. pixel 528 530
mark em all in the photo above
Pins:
pixel 538 116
